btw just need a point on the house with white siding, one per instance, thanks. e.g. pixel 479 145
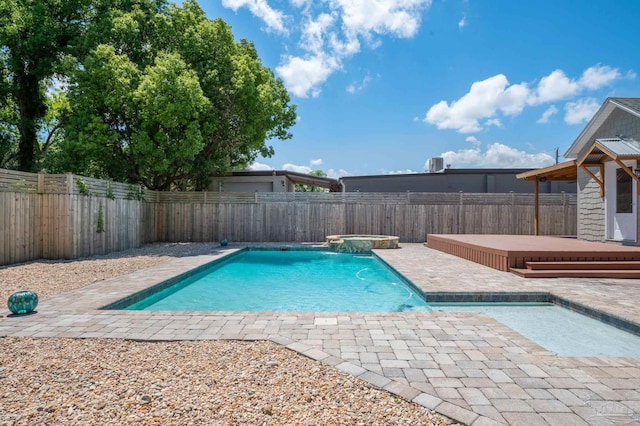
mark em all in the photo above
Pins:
pixel 605 163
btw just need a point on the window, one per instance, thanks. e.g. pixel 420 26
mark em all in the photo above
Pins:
pixel 624 192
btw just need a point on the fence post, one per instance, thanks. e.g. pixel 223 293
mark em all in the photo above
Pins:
pixel 512 225
pixel 69 183
pixel 564 213
pixel 461 227
pixel 40 183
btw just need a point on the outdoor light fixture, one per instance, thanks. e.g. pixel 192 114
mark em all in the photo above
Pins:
pixel 636 171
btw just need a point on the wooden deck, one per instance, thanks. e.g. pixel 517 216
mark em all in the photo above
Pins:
pixel 542 257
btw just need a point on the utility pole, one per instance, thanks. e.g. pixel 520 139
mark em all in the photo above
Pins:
pixel 557 155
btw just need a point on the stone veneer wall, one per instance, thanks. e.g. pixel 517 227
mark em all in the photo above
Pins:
pixel 591 225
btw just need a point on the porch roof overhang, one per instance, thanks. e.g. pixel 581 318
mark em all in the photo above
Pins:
pixel 610 149
pixel 566 171
pixel 616 149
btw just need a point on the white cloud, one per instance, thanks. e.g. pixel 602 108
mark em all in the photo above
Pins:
pixel 397 17
pixel 462 23
pixel 358 86
pixel 598 76
pixel 344 48
pixel 580 111
pixel 260 166
pixel 399 172
pixel 473 140
pixel 335 174
pixel 332 31
pixel 304 76
pixel 295 168
pixel 555 86
pixel 313 165
pixel 299 3
pixel 497 155
pixel 484 99
pixel 260 8
pixel 313 32
pixel 631 75
pixel 488 98
pixel 552 110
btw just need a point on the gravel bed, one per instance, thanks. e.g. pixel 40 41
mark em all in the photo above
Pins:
pixel 49 277
pixel 120 382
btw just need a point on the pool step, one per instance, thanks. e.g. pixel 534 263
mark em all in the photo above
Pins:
pixel 576 273
pixel 599 265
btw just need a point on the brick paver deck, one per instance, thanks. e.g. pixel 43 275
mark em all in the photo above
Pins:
pixel 466 366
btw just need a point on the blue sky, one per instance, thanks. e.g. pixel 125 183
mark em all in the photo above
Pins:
pixel 382 86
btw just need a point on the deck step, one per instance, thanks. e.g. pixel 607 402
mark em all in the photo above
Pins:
pixel 576 273
pixel 599 264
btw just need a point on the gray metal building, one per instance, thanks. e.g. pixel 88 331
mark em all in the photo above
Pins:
pixel 454 180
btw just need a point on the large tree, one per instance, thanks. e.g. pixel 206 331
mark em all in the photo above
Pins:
pixel 170 98
pixel 134 125
pixel 35 38
pixel 40 42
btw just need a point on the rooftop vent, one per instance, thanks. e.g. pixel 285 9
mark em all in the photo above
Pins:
pixel 436 165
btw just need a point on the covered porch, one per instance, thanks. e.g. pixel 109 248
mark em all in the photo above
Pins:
pixel 566 171
pixel 612 163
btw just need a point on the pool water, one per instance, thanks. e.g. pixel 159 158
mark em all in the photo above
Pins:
pixel 302 281
pixel 324 281
pixel 556 329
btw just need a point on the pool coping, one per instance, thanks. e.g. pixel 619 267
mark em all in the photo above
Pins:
pixel 77 314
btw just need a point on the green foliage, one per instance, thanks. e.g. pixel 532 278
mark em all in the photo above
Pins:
pixel 147 93
pixel 100 221
pixel 110 194
pixel 311 188
pixel 135 193
pixel 37 39
pixel 83 189
pixel 175 104
pixel 8 119
pixel 41 43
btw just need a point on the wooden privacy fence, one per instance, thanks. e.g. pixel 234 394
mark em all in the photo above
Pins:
pixel 299 217
pixel 68 216
pixel 65 216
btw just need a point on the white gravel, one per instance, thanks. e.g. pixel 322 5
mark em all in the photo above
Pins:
pixel 120 382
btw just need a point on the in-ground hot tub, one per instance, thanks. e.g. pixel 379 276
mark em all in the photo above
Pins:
pixel 361 243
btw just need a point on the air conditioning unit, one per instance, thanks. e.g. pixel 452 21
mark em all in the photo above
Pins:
pixel 436 164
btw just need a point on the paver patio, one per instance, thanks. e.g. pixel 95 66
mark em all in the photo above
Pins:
pixel 464 365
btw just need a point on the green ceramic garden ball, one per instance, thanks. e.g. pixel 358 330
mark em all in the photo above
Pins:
pixel 22 302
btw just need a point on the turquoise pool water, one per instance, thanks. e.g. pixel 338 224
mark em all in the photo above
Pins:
pixel 556 329
pixel 321 281
pixel 311 281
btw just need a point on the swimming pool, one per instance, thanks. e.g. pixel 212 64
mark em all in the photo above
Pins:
pixel 325 281
pixel 556 329
pixel 291 280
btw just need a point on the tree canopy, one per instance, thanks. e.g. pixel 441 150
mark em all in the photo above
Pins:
pixel 36 40
pixel 311 188
pixel 153 93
